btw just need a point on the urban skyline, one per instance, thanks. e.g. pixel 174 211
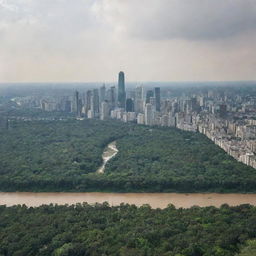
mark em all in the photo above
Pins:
pixel 225 117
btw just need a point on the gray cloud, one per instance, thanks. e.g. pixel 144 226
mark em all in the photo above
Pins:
pixel 185 19
pixel 91 40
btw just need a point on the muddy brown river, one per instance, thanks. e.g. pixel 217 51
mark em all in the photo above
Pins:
pixel 155 200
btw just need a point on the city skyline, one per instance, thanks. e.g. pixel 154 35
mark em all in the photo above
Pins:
pixel 226 115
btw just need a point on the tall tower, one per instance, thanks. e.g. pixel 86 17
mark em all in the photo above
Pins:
pixel 95 102
pixel 158 99
pixel 88 103
pixel 104 111
pixel 102 93
pixel 149 114
pixel 77 108
pixel 121 90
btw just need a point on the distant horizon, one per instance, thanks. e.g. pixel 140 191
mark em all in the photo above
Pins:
pixel 128 82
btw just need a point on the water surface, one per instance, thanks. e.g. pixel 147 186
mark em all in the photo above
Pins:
pixel 155 200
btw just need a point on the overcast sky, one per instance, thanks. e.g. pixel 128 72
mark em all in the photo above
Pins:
pixel 150 40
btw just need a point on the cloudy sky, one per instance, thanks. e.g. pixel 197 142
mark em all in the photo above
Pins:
pixel 150 40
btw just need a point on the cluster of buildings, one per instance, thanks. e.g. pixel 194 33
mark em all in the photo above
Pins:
pixel 111 103
pixel 227 116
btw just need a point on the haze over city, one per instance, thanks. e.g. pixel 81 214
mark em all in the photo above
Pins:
pixel 168 40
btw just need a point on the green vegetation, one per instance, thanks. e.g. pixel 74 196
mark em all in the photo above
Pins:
pixel 249 249
pixel 64 156
pixel 125 230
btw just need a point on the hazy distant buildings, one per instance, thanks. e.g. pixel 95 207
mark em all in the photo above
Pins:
pixel 139 93
pixel 149 114
pixel 111 97
pixel 95 103
pixel 129 105
pixel 121 90
pixel 149 94
pixel 88 101
pixel 138 101
pixel 139 106
pixel 77 104
pixel 102 95
pixel 104 112
pixel 152 101
pixel 67 106
pixel 224 117
pixel 223 110
pixel 48 105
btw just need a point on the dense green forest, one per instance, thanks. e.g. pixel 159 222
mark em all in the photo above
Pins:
pixel 64 156
pixel 126 230
pixel 249 249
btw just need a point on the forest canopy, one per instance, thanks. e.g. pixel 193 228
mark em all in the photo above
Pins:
pixel 63 155
pixel 124 230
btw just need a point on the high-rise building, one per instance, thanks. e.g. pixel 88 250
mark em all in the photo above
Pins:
pixel 121 90
pixel 75 103
pixel 102 93
pixel 138 106
pixel 88 102
pixel 95 102
pixel 139 93
pixel 129 106
pixel 149 118
pixel 158 98
pixel 111 97
pixel 138 101
pixel 149 94
pixel 104 112
pixel 152 101
pixel 79 108
pixel 67 106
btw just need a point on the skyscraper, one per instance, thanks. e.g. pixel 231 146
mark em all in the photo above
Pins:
pixel 149 118
pixel 129 106
pixel 138 102
pixel 121 90
pixel 111 97
pixel 158 99
pixel 149 94
pixel 152 101
pixel 104 112
pixel 88 102
pixel 139 93
pixel 102 93
pixel 77 106
pixel 95 102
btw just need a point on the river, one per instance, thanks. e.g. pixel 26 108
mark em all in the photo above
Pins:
pixel 155 200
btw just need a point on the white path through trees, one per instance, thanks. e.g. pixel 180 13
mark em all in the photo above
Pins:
pixel 109 152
